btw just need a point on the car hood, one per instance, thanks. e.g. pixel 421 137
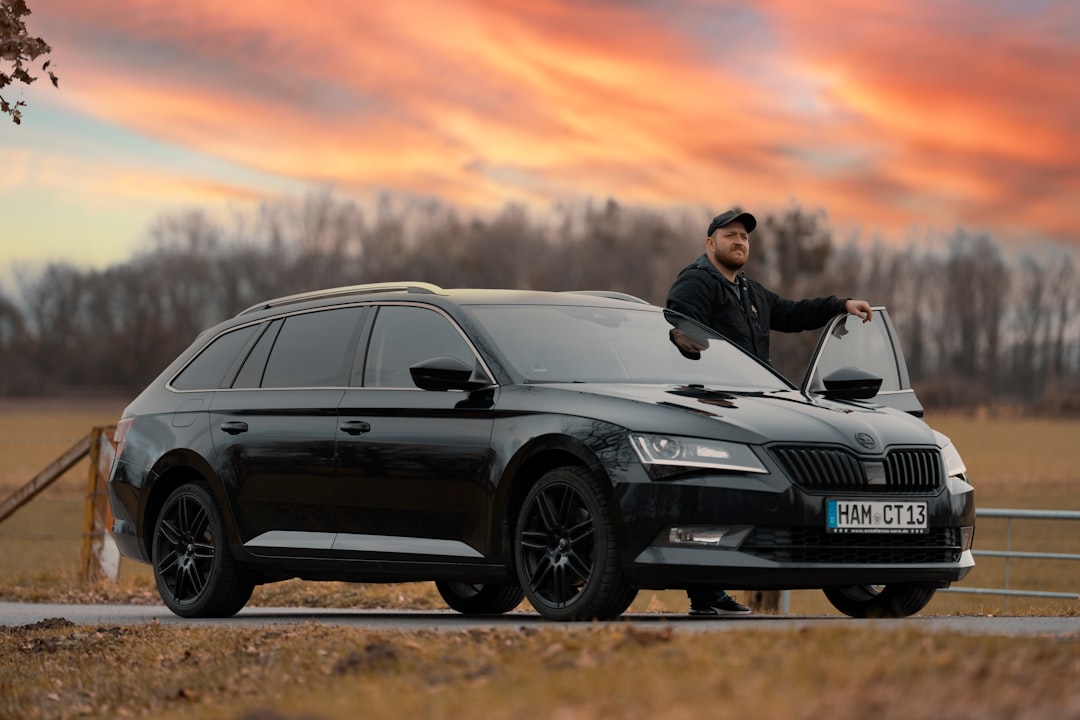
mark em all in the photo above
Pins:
pixel 756 418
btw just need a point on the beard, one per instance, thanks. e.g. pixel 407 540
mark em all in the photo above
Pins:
pixel 733 261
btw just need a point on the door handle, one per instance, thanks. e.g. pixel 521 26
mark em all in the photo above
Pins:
pixel 234 427
pixel 355 427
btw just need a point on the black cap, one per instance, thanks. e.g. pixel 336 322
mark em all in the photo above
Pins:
pixel 730 216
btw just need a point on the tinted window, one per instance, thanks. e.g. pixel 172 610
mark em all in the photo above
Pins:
pixel 250 375
pixel 404 336
pixel 862 345
pixel 313 349
pixel 207 370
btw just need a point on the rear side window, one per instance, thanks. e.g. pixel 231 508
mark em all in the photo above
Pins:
pixel 250 375
pixel 313 350
pixel 207 370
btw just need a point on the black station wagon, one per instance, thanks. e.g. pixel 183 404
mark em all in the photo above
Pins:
pixel 555 446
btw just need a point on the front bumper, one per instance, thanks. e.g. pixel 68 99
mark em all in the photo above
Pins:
pixel 668 567
pixel 777 536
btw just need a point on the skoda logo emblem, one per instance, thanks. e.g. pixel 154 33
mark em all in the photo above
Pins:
pixel 865 440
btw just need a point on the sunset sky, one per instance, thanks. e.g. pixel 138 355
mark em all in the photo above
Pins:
pixel 902 120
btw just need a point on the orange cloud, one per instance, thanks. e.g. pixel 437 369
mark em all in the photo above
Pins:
pixel 886 114
pixel 967 109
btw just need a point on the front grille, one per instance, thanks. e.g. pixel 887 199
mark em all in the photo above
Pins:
pixel 813 545
pixel 840 470
pixel 913 470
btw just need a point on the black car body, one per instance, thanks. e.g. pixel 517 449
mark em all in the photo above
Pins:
pixel 556 445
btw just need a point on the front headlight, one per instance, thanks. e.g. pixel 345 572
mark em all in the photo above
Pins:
pixel 695 452
pixel 954 464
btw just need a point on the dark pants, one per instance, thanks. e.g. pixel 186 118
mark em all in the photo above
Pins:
pixel 702 596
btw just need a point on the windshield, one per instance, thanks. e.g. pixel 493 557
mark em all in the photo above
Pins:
pixel 561 343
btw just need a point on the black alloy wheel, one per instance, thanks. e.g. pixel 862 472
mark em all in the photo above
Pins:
pixel 566 549
pixel 880 601
pixel 195 574
pixel 480 599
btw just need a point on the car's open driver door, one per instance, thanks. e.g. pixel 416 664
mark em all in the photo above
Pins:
pixel 848 342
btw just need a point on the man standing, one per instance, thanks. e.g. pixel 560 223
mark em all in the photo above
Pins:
pixel 714 291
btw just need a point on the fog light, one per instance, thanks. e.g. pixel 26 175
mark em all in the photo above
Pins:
pixel 967 535
pixel 708 536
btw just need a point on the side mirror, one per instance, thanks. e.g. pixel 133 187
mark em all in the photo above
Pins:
pixel 849 383
pixel 445 373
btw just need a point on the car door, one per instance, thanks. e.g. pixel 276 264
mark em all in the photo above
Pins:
pixel 414 474
pixel 872 346
pixel 274 431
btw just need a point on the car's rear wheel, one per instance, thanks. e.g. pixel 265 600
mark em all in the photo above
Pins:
pixel 880 601
pixel 479 599
pixel 195 573
pixel 566 549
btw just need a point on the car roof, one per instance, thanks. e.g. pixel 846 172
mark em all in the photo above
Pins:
pixel 421 290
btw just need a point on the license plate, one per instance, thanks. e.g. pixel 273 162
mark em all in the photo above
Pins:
pixel 875 516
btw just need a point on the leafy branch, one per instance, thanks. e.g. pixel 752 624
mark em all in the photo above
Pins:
pixel 18 50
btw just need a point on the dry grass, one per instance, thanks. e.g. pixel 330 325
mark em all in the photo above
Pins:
pixel 1012 462
pixel 34 433
pixel 312 671
pixel 55 670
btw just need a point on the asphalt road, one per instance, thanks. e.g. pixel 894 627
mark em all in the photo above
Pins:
pixel 13 614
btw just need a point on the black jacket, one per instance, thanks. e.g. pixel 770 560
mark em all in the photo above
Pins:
pixel 702 293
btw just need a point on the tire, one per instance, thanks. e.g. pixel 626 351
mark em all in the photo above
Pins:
pixel 477 599
pixel 567 551
pixel 195 573
pixel 880 601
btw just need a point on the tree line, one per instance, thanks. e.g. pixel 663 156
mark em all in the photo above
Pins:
pixel 977 330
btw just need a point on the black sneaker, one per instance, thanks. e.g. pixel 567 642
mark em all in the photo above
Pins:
pixel 722 604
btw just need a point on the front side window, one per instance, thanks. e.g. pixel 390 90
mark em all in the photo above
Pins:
pixel 405 335
pixel 313 349
pixel 865 346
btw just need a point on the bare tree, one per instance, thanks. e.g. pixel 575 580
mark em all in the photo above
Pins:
pixel 52 307
pixel 976 289
pixel 795 247
pixel 974 330
pixel 13 342
pixel 1029 313
pixel 638 251
pixel 790 253
pixel 1063 304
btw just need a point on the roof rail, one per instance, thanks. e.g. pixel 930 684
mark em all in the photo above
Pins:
pixel 404 286
pixel 614 295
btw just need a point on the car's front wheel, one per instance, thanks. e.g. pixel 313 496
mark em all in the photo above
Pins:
pixel 195 573
pixel 566 549
pixel 478 599
pixel 880 601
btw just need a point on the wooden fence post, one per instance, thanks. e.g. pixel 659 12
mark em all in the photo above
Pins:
pixel 100 556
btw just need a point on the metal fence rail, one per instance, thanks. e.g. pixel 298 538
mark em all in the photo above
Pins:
pixel 1008 553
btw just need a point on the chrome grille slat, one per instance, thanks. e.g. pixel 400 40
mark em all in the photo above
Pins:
pixel 907 470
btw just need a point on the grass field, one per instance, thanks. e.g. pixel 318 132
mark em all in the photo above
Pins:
pixel 1014 463
pixel 312 671
pixel 55 669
